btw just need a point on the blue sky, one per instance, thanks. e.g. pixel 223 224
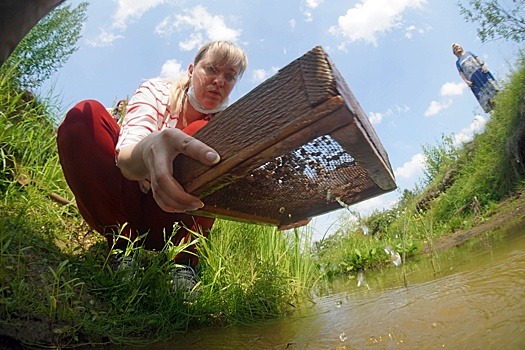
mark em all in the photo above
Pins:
pixel 395 56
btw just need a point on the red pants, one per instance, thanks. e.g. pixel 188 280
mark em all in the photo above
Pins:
pixel 105 198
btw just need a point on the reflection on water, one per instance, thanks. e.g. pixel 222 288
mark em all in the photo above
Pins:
pixel 471 297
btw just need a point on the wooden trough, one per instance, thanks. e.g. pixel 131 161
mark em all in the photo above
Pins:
pixel 297 146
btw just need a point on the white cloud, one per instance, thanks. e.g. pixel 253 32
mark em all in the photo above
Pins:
pixel 370 18
pixel 368 206
pixel 205 27
pixel 260 75
pixel 129 10
pixel 173 70
pixel 293 23
pixel 448 89
pixel 126 12
pixel 412 168
pixel 402 109
pixel 194 41
pixel 313 3
pixel 467 134
pixel 165 26
pixel 452 89
pixel 436 107
pixel 375 118
pixel 410 30
pixel 309 17
pixel 104 39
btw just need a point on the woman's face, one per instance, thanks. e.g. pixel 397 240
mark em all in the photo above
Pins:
pixel 212 83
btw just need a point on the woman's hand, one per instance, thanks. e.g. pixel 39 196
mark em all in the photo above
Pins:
pixel 153 157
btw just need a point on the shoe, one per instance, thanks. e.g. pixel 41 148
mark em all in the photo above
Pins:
pixel 119 262
pixel 185 281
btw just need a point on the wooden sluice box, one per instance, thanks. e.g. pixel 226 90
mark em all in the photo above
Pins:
pixel 297 146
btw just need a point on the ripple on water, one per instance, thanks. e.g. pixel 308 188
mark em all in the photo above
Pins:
pixel 477 301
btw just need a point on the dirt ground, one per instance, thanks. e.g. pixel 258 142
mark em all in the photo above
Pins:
pixel 508 215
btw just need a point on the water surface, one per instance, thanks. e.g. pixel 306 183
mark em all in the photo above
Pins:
pixel 469 297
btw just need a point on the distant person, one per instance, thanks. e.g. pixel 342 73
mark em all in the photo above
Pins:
pixel 119 111
pixel 476 75
pixel 122 176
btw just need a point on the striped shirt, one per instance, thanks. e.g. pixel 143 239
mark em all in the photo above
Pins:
pixel 148 111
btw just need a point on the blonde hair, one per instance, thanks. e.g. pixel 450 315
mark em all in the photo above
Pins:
pixel 221 53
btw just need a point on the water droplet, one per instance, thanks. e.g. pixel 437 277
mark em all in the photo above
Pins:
pixel 394 256
pixel 341 203
pixel 360 278
pixel 343 336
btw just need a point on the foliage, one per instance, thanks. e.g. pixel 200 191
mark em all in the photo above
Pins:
pixel 353 249
pixel 488 172
pixel 46 47
pixel 438 158
pixel 484 171
pixel 27 143
pixel 497 20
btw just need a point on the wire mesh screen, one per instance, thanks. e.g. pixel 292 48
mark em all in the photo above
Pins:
pixel 298 184
pixel 297 146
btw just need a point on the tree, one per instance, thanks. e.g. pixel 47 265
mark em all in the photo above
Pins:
pixel 47 46
pixel 497 21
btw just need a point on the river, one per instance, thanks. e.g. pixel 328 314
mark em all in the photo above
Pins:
pixel 468 297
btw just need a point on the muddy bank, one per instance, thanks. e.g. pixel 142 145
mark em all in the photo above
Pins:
pixel 509 214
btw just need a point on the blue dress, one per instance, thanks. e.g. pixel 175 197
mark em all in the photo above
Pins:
pixel 484 85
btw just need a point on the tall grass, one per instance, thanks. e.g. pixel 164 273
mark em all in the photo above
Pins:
pixel 485 171
pixel 489 170
pixel 257 268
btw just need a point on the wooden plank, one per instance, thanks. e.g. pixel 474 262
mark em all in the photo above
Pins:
pixel 219 212
pixel 255 155
pixel 355 141
pixel 271 112
pixel 373 155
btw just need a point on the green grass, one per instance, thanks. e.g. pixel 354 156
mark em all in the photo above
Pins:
pixel 274 272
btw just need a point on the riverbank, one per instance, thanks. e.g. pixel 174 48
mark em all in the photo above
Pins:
pixel 508 215
pixel 56 289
